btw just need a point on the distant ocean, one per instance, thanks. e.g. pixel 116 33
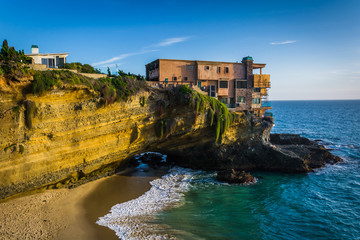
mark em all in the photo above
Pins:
pixel 188 204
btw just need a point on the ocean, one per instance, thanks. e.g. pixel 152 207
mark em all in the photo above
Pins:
pixel 325 204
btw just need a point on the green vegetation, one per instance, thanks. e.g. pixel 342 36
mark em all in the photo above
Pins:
pixel 21 149
pixel 111 88
pixel 217 111
pixel 45 80
pixel 131 75
pixel 16 111
pixel 9 147
pixel 165 127
pixel 29 113
pixel 142 101
pixel 13 63
pixel 81 68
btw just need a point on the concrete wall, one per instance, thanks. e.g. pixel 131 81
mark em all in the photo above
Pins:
pixel 236 70
pixel 178 69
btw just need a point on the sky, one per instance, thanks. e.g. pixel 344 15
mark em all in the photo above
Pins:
pixel 311 48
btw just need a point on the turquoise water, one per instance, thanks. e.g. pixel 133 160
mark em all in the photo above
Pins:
pixel 320 205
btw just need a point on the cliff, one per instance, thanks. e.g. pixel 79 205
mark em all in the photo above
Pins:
pixel 68 135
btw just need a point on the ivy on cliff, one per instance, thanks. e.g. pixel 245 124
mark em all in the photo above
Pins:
pixel 218 115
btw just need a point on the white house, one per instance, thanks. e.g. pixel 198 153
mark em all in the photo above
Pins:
pixel 51 60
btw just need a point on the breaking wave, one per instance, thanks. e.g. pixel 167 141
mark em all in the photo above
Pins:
pixel 132 219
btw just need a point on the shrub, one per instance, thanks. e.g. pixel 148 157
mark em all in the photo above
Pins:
pixel 81 68
pixel 12 62
pixel 142 101
pixel 21 149
pixel 29 113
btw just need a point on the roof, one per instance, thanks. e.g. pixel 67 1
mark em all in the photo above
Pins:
pixel 46 54
pixel 255 65
pixel 259 65
pixel 198 61
pixel 248 58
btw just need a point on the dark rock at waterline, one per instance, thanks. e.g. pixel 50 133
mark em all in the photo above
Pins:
pixel 310 152
pixel 152 158
pixel 233 176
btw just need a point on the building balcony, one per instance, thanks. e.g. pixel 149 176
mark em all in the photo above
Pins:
pixel 261 81
pixel 265 104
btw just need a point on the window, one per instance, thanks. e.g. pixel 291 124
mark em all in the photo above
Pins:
pixel 256 100
pixel 223 84
pixel 166 80
pixel 190 67
pixel 174 78
pixel 241 84
pixel 212 90
pixel 256 89
pixel 226 70
pixel 224 100
pixel 218 70
pixel 185 78
pixel 207 67
pixel 240 99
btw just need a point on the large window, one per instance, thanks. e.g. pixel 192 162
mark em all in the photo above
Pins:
pixel 226 70
pixel 241 84
pixel 240 99
pixel 223 84
pixel 224 100
pixel 174 78
pixel 218 70
pixel 256 89
pixel 256 100
pixel 185 78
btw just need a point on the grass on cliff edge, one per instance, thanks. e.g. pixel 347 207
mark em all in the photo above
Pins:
pixel 118 88
pixel 218 115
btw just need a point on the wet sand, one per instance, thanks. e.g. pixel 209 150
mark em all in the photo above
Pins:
pixel 71 213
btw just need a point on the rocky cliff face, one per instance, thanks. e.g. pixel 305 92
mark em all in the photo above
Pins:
pixel 68 134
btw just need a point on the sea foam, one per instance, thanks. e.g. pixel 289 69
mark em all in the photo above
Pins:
pixel 132 219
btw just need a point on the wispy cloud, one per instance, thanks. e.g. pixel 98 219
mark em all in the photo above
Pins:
pixel 164 43
pixel 171 41
pixel 120 57
pixel 111 65
pixel 282 43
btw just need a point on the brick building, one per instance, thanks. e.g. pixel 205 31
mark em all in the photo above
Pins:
pixel 233 83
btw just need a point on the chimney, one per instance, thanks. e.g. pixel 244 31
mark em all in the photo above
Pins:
pixel 34 49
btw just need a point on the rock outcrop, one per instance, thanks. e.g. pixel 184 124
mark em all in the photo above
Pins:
pixel 312 153
pixel 233 176
pixel 67 136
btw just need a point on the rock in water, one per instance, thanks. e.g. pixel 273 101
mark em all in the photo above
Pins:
pixel 233 176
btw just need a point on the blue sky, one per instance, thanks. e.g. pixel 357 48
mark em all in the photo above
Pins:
pixel 311 48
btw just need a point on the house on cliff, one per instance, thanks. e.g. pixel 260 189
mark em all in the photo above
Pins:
pixel 233 83
pixel 46 60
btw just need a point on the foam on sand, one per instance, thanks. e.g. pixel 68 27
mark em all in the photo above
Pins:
pixel 131 220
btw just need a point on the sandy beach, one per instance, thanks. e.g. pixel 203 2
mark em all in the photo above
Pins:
pixel 71 213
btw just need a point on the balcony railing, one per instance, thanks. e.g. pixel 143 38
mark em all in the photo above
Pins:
pixel 168 84
pixel 262 81
pixel 265 104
